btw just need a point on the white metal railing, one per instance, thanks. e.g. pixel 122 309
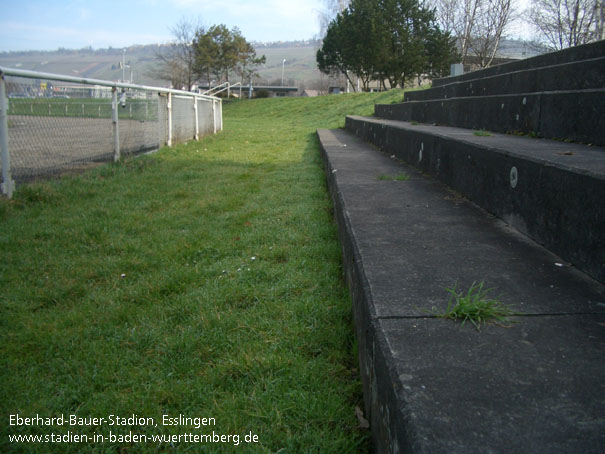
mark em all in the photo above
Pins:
pixel 222 87
pixel 50 122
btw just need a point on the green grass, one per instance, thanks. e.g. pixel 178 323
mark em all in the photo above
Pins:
pixel 476 306
pixel 203 280
pixel 482 133
pixel 399 177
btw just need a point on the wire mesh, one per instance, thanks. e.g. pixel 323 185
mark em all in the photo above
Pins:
pixel 54 126
pixel 139 122
pixel 205 118
pixel 183 118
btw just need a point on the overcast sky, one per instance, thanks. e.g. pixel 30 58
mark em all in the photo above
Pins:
pixel 73 24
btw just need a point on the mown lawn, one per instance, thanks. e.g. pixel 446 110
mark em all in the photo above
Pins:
pixel 203 280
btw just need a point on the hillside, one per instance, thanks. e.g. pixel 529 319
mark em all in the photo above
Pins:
pixel 299 69
pixel 104 63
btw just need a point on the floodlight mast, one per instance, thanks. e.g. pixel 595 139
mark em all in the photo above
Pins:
pixel 282 72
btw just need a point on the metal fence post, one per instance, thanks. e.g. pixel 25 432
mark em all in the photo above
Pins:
pixel 220 114
pixel 197 126
pixel 114 121
pixel 214 115
pixel 31 139
pixel 7 182
pixel 169 109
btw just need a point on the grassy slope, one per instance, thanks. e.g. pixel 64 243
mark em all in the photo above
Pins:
pixel 202 280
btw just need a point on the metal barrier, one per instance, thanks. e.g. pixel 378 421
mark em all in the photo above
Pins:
pixel 51 123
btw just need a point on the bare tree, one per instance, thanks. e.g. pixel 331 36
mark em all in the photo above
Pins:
pixel 177 59
pixel 330 11
pixel 459 19
pixel 567 23
pixel 492 22
pixel 478 25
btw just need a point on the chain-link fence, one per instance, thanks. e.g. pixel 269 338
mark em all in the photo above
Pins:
pixel 51 123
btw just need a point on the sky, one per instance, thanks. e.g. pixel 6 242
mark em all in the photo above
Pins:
pixel 74 24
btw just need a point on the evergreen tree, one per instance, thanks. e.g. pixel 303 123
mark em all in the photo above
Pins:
pixel 392 40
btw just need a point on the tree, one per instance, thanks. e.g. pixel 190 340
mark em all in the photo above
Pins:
pixel 567 23
pixel 394 40
pixel 246 59
pixel 206 54
pixel 220 52
pixel 491 23
pixel 177 59
pixel 331 9
pixel 335 55
pixel 478 25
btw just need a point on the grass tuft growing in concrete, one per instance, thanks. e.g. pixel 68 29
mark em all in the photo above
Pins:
pixel 399 177
pixel 476 306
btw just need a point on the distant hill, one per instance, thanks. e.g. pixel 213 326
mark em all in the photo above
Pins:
pixel 104 63
pixel 299 68
pixel 95 64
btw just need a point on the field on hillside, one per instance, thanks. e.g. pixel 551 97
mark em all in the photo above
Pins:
pixel 203 281
pixel 300 64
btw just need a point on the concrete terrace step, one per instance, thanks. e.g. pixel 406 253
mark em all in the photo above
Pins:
pixel 571 115
pixel 572 54
pixel 435 386
pixel 579 75
pixel 554 192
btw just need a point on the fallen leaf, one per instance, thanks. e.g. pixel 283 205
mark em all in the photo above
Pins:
pixel 363 423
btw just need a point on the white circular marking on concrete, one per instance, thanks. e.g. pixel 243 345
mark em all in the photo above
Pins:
pixel 514 177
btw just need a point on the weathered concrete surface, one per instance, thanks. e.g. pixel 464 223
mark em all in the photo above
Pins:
pixel 559 196
pixel 572 54
pixel 582 75
pixel 560 95
pixel 434 386
pixel 571 115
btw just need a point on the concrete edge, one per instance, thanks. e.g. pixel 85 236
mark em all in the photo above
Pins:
pixel 582 52
pixel 564 115
pixel 375 364
pixel 527 80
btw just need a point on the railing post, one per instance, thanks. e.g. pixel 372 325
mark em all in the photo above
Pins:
pixel 169 108
pixel 214 115
pixel 197 126
pixel 7 182
pixel 114 121
pixel 220 114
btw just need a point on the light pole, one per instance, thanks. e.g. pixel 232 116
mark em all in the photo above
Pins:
pixel 282 72
pixel 123 64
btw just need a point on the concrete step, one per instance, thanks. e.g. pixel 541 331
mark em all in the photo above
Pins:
pixel 567 115
pixel 436 386
pixel 570 76
pixel 553 192
pixel 572 54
